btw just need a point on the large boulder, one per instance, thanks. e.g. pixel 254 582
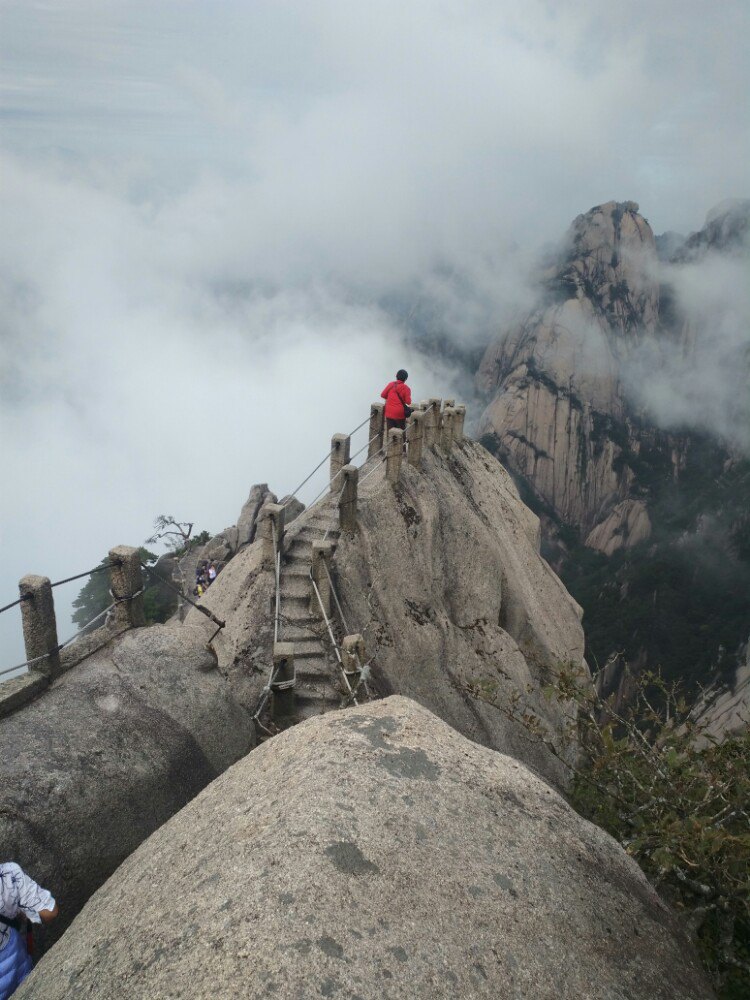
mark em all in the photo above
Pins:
pixel 109 752
pixel 375 853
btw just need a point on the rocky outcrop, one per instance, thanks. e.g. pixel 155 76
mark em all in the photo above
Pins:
pixel 557 415
pixel 445 581
pixel 627 525
pixel 375 853
pixel 601 403
pixel 727 229
pixel 248 520
pixel 724 708
pixel 227 543
pixel 109 752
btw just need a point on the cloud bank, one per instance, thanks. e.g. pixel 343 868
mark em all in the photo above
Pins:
pixel 221 220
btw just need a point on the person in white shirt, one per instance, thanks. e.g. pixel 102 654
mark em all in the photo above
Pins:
pixel 21 899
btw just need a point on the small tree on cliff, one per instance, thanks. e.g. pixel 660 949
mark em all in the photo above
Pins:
pixel 677 800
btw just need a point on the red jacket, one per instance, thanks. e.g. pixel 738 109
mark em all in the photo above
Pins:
pixel 396 394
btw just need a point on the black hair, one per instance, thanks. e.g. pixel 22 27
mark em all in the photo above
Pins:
pixel 402 375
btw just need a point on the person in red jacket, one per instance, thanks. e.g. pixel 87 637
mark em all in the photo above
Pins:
pixel 397 396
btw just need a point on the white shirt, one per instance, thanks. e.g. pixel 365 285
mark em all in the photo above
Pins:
pixel 20 894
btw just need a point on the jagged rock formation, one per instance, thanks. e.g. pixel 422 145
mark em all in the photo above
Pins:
pixel 109 752
pixel 563 414
pixel 445 581
pixel 726 229
pixel 444 578
pixel 627 525
pixel 376 854
pixel 220 548
pixel 724 708
pixel 558 410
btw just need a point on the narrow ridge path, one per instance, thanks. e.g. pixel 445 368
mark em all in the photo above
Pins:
pixel 316 690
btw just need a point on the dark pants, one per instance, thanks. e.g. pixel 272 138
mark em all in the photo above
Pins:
pixel 401 424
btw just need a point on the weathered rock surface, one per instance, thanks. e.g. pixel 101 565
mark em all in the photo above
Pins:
pixel 248 519
pixel 375 853
pixel 445 580
pixel 222 547
pixel 724 709
pixel 627 525
pixel 557 409
pixel 109 752
pixel 727 229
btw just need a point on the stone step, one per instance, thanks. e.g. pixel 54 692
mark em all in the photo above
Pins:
pixel 299 548
pixel 289 632
pixel 309 651
pixel 295 587
pixel 296 617
pixel 308 702
pixel 317 674
pixel 296 568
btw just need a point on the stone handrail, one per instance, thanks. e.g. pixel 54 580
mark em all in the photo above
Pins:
pixel 46 657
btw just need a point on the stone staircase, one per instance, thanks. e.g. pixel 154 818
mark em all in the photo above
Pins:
pixel 317 689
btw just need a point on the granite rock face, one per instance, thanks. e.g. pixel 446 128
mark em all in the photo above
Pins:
pixel 374 853
pixel 109 752
pixel 557 409
pixel 445 580
pixel 627 525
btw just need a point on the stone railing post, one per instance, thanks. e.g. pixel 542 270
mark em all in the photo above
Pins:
pixel 375 431
pixel 458 423
pixel 432 424
pixel 284 679
pixel 271 517
pixel 126 581
pixel 353 657
pixel 446 430
pixel 39 624
pixel 322 553
pixel 394 454
pixel 415 437
pixel 348 501
pixel 449 404
pixel 340 453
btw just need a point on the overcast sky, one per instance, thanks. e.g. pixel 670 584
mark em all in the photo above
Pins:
pixel 205 206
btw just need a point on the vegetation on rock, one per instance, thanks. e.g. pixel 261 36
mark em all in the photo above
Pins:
pixel 677 801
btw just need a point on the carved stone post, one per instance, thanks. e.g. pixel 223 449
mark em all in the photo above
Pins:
pixel 432 424
pixel 352 657
pixel 271 519
pixel 458 423
pixel 39 624
pixel 375 432
pixel 322 552
pixel 415 437
pixel 449 404
pixel 446 431
pixel 126 581
pixel 348 501
pixel 340 453
pixel 394 454
pixel 282 687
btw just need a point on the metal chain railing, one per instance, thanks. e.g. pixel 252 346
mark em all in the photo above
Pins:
pixel 335 645
pixel 322 462
pixel 347 629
